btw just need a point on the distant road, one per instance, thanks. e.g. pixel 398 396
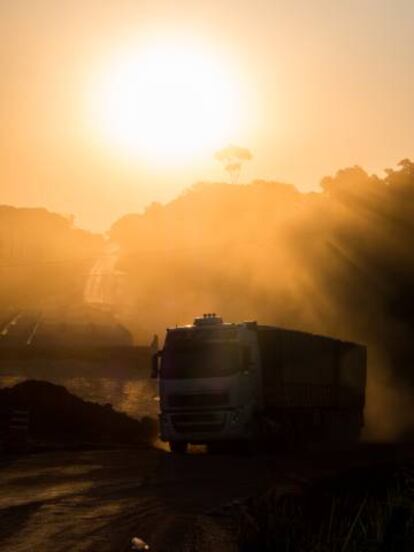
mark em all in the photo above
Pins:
pixel 101 286
pixel 83 324
pixel 18 327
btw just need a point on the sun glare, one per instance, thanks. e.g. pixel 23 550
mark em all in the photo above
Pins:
pixel 167 102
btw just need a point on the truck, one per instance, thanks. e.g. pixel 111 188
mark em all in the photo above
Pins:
pixel 247 383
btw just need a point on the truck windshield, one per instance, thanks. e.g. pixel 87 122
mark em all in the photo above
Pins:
pixel 205 360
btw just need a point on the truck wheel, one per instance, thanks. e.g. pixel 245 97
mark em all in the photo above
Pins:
pixel 178 447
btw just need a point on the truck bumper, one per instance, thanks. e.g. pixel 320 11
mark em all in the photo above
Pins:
pixel 202 426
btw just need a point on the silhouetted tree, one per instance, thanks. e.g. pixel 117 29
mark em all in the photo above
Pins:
pixel 44 257
pixel 232 158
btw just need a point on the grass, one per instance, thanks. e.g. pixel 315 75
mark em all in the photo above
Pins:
pixel 363 510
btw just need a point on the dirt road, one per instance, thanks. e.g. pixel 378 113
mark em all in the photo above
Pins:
pixel 98 500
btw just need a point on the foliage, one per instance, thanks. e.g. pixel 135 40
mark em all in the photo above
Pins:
pixel 232 158
pixel 365 510
pixel 43 257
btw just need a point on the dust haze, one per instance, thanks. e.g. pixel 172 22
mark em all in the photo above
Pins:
pixel 338 262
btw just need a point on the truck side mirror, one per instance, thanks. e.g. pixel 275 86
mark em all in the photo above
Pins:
pixel 155 368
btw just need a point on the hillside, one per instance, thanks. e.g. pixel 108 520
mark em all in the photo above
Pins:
pixel 337 262
pixel 44 257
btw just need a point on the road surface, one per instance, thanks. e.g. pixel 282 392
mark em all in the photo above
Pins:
pixel 99 500
pixel 83 501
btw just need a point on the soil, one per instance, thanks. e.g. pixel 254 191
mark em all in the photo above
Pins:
pixel 100 499
pixel 54 415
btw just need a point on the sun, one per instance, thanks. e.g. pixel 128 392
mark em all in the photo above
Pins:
pixel 167 102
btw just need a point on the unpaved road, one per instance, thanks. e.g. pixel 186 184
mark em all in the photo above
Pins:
pixel 98 500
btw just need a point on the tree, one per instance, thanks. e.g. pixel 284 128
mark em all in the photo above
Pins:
pixel 232 158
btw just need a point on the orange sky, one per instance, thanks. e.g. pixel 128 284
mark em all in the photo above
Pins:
pixel 324 86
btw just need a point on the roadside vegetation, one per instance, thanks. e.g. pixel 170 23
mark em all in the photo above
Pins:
pixel 364 510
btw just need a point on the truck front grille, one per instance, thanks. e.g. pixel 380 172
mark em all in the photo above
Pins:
pixel 197 423
pixel 199 400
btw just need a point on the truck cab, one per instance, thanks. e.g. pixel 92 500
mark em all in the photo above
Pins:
pixel 208 382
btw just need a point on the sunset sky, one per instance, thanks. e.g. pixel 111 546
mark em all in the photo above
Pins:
pixel 309 86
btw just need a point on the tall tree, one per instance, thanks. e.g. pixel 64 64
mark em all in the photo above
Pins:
pixel 232 158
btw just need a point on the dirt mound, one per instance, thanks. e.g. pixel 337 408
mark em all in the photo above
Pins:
pixel 55 415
